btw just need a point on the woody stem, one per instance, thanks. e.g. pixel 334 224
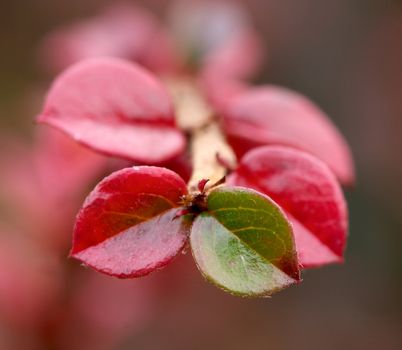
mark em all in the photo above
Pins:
pixel 207 142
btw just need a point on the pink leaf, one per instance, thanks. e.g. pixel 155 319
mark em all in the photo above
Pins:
pixel 104 312
pixel 116 108
pixel 30 280
pixel 120 30
pixel 220 90
pixel 238 58
pixel 64 167
pixel 180 165
pixel 308 192
pixel 52 173
pixel 128 225
pixel 277 116
pixel 217 35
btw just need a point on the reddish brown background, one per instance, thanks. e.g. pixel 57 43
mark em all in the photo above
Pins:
pixel 347 56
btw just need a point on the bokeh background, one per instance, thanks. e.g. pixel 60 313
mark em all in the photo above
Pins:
pixel 346 55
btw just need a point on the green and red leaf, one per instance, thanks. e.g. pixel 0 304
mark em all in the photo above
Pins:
pixel 244 243
pixel 128 225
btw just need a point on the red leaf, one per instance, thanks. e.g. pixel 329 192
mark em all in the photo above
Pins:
pixel 104 312
pixel 120 30
pixel 238 58
pixel 64 167
pixel 30 280
pixel 218 35
pixel 114 107
pixel 274 115
pixel 220 90
pixel 180 165
pixel 53 172
pixel 126 227
pixel 309 193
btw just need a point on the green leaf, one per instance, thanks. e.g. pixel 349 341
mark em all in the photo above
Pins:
pixel 244 243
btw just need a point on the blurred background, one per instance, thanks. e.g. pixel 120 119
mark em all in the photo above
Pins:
pixel 345 55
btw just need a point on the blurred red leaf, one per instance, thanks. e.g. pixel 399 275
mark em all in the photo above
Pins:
pixel 308 192
pixel 120 30
pixel 116 108
pixel 52 173
pixel 64 168
pixel 104 312
pixel 238 58
pixel 30 280
pixel 218 35
pixel 126 227
pixel 220 90
pixel 274 115
pixel 180 165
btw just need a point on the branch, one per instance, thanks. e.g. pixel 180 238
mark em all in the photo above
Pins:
pixel 211 155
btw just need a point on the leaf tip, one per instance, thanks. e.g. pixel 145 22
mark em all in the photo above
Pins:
pixel 201 185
